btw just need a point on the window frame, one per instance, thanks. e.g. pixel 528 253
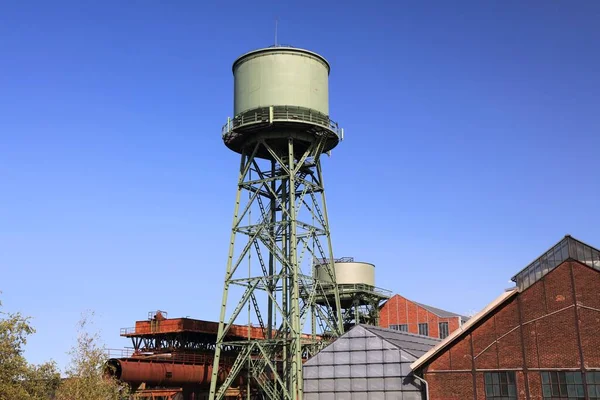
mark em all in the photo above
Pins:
pixel 496 384
pixel 399 327
pixel 426 326
pixel 447 331
pixel 567 385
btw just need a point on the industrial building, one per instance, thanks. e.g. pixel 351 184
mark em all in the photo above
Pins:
pixel 367 363
pixel 405 315
pixel 539 340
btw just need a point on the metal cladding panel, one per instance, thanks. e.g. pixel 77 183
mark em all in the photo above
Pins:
pixel 411 396
pixel 326 385
pixel 391 395
pixel 342 371
pixel 350 273
pixel 342 385
pixel 363 366
pixel 311 385
pixel 392 369
pixel 377 395
pixel 359 385
pixel 342 358
pixel 281 76
pixel 311 371
pixel 343 396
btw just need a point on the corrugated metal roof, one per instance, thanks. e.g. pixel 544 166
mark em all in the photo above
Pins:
pixel 441 313
pixel 566 248
pixel 416 345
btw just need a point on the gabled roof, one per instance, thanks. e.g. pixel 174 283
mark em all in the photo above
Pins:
pixel 441 313
pixel 566 248
pixel 415 345
pixel 437 311
pixel 475 319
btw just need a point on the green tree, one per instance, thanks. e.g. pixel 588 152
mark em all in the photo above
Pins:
pixel 86 379
pixel 20 380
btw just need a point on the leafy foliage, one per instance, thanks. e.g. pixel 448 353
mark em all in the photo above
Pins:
pixel 85 375
pixel 20 380
pixel 85 379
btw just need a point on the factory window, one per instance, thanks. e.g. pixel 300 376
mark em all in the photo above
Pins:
pixel 424 329
pixel 563 385
pixel 443 330
pixel 593 384
pixel 500 385
pixel 401 328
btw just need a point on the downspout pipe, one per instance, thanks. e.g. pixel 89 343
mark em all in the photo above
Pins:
pixel 426 385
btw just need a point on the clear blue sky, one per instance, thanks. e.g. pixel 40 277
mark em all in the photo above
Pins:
pixel 472 146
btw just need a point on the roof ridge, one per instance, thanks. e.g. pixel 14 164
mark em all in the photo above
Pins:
pixel 431 308
pixel 394 331
pixel 505 296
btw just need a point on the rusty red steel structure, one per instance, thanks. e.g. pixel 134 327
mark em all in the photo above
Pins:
pixel 166 371
pixel 181 325
pixel 159 394
pixel 176 355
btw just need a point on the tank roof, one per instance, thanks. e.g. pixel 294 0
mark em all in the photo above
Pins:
pixel 322 261
pixel 280 49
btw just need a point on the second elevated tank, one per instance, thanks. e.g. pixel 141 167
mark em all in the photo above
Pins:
pixel 281 76
pixel 349 273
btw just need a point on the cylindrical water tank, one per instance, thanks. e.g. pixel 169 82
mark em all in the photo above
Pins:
pixel 349 273
pixel 281 76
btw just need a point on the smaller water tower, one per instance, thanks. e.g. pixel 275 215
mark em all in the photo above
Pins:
pixel 359 297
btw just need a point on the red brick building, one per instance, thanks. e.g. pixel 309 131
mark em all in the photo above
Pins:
pixel 538 341
pixel 405 315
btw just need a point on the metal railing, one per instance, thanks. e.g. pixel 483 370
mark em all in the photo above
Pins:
pixel 119 353
pixel 345 288
pixel 360 287
pixel 127 331
pixel 280 114
pixel 322 261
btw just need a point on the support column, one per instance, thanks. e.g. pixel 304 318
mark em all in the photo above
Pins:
pixel 286 192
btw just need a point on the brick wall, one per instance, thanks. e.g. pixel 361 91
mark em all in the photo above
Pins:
pixel 399 310
pixel 540 328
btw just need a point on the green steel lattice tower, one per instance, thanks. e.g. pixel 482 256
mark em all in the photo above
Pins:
pixel 280 227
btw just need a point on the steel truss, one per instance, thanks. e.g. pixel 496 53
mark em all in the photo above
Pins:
pixel 180 341
pixel 286 190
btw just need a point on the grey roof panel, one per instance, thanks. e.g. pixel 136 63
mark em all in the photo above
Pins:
pixel 441 313
pixel 415 345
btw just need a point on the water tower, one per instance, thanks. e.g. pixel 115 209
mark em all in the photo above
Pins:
pixel 360 299
pixel 281 128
